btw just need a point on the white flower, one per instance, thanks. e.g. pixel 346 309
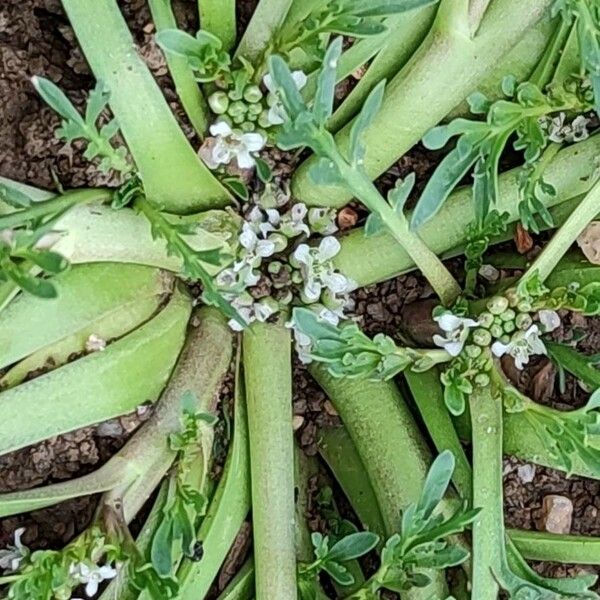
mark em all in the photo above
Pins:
pixel 456 332
pixel 92 576
pixel 12 556
pixel 256 248
pixel 229 144
pixel 317 269
pixel 549 320
pixel 559 131
pixel 322 220
pixel 251 311
pixel 277 114
pixel 292 223
pixel 521 346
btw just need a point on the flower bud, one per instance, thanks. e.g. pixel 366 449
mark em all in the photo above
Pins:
pixel 263 119
pixel 497 305
pixel 524 306
pixel 523 321
pixel 512 297
pixel 505 338
pixel 274 267
pixel 482 380
pixel 508 315
pixel 473 351
pixel 239 119
pixel 252 93
pixel 218 102
pixel 235 95
pixel 272 100
pixel 486 319
pixel 482 337
pixel 509 326
pixel 496 331
pixel 297 277
pixel 237 108
pixel 247 127
pixel 279 240
pixel 255 109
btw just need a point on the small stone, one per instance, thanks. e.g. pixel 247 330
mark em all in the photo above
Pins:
pixel 557 514
pixel 297 422
pixel 526 473
pixel 110 429
pixel 95 343
pixel 347 218
pixel 489 272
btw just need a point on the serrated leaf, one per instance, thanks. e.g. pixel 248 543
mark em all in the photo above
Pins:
pixel 325 93
pixel 57 100
pixel 445 178
pixel 363 121
pixel 398 196
pixel 97 102
pixel 374 225
pixel 353 546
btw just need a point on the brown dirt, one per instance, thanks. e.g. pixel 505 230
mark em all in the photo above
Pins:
pixel 35 39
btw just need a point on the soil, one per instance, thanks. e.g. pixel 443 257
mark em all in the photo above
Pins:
pixel 35 39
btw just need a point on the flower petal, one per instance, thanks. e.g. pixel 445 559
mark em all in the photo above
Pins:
pixel 254 141
pixel 448 322
pixel 220 128
pixel 500 349
pixel 328 248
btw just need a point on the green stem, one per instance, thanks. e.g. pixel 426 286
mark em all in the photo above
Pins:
pixel 266 21
pixel 219 18
pixel 268 376
pixel 428 395
pixel 488 528
pixel 566 236
pixel 55 206
pixel 412 105
pixel 187 88
pixel 539 545
pixel 375 413
pixel 227 511
pixel 173 175
pixel 430 265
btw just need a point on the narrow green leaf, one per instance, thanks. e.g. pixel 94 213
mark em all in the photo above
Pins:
pixel 437 482
pixel 353 546
pixel 365 118
pixel 57 100
pixel 324 96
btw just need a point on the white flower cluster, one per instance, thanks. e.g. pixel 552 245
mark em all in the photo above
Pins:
pixel 456 332
pixel 13 555
pixel 266 232
pixel 277 114
pixel 91 575
pixel 227 144
pixel 559 131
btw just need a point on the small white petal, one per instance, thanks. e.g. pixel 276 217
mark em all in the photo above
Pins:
pixel 312 290
pixel 300 79
pixel 500 349
pixel 254 141
pixel 336 282
pixel 549 319
pixel 276 115
pixel 454 348
pixel 265 248
pixel 220 128
pixel 269 83
pixel 448 322
pixel 328 248
pixel 302 254
pixel 299 211
pixel 248 239
pixel 245 159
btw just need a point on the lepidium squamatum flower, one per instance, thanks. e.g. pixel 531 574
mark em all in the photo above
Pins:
pixel 276 114
pixel 92 576
pixel 522 345
pixel 456 331
pixel 228 144
pixel 12 556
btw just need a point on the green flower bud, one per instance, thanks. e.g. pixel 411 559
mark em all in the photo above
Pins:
pixel 218 102
pixel 247 127
pixel 482 337
pixel 525 306
pixel 297 277
pixel 286 297
pixel 512 297
pixel 235 95
pixel 482 380
pixel 496 331
pixel 226 119
pixel 497 305
pixel 508 315
pixel 272 100
pixel 486 319
pixel 473 351
pixel 505 338
pixel 252 93
pixel 239 119
pixel 271 303
pixel 255 109
pixel 509 327
pixel 279 240
pixel 274 267
pixel 263 119
pixel 523 321
pixel 237 108
pixel 306 300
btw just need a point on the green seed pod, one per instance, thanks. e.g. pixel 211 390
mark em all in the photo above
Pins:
pixel 508 315
pixel 525 306
pixel 482 380
pixel 247 127
pixel 509 327
pixel 523 321
pixel 252 93
pixel 512 297
pixel 486 319
pixel 482 337
pixel 473 351
pixel 218 102
pixel 496 331
pixel 497 305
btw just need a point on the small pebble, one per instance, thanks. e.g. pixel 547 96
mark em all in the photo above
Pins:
pixel 557 514
pixel 526 473
pixel 95 343
pixel 297 422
